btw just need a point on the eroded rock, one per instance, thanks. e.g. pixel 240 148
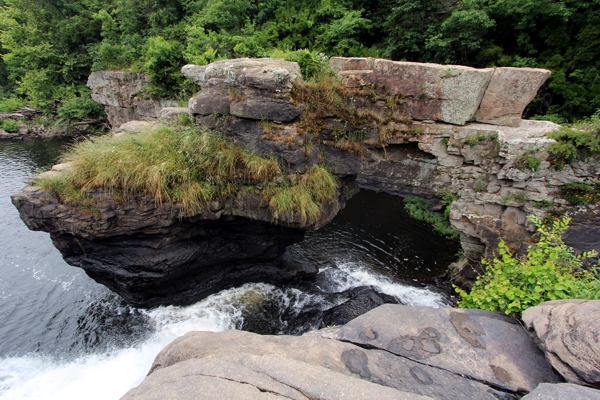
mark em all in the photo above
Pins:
pixel 567 332
pixel 509 92
pixel 485 346
pixel 562 391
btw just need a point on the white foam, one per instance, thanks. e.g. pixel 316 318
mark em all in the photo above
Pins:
pixel 357 275
pixel 111 375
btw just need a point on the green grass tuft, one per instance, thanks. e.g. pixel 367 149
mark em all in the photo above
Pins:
pixel 184 166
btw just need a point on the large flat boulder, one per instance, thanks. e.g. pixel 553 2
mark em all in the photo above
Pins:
pixel 447 93
pixel 509 92
pixel 569 333
pixel 481 345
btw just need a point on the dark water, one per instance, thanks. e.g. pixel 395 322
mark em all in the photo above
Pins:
pixel 64 336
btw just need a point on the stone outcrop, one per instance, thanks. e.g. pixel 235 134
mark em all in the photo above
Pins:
pixel 121 94
pixel 567 332
pixel 152 255
pixel 389 351
pixel 246 88
pixel 398 127
pixel 509 92
pixel 443 93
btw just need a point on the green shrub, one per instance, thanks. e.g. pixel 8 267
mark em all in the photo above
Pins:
pixel 312 64
pixel 528 159
pixel 549 271
pixel 419 210
pixel 10 125
pixel 80 108
pixel 10 104
pixel 581 193
pixel 580 140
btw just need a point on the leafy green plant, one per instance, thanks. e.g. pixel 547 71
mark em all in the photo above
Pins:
pixel 447 199
pixel 549 271
pixel 579 193
pixel 479 186
pixel 80 108
pixel 529 159
pixel 543 204
pixel 10 104
pixel 419 210
pixel 580 140
pixel 9 125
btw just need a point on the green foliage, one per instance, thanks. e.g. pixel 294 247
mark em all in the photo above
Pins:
pixel 579 193
pixel 419 210
pixel 50 46
pixel 543 204
pixel 580 140
pixel 187 167
pixel 312 64
pixel 9 125
pixel 549 271
pixel 10 104
pixel 529 159
pixel 80 107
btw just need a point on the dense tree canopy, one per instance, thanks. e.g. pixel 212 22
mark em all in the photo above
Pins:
pixel 48 47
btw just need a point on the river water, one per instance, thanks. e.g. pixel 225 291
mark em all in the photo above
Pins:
pixel 63 336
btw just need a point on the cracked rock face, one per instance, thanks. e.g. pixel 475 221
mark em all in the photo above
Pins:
pixel 568 333
pixel 400 351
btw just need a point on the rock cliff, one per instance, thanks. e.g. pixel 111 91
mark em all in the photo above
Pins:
pixel 399 127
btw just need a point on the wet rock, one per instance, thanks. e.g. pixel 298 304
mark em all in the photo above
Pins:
pixel 485 346
pixel 567 332
pixel 360 301
pixel 151 254
pixel 562 391
pixel 509 92
pixel 347 361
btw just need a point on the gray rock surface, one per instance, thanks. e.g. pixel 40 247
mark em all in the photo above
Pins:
pixel 485 346
pixel 568 331
pixel 121 94
pixel 464 359
pixel 562 391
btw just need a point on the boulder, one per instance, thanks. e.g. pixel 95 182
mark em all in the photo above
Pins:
pixel 247 88
pixel 120 92
pixel 344 362
pixel 444 93
pixel 248 376
pixel 562 391
pixel 509 92
pixel 567 332
pixel 481 345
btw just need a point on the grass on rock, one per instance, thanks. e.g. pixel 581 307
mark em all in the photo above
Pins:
pixel 188 167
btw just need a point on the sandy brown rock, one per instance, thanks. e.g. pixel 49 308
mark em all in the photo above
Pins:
pixel 509 92
pixel 568 332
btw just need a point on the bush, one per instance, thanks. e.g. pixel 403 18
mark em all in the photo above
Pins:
pixel 10 104
pixel 549 271
pixel 80 108
pixel 580 140
pixel 581 193
pixel 10 125
pixel 419 210
pixel 312 64
pixel 188 167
